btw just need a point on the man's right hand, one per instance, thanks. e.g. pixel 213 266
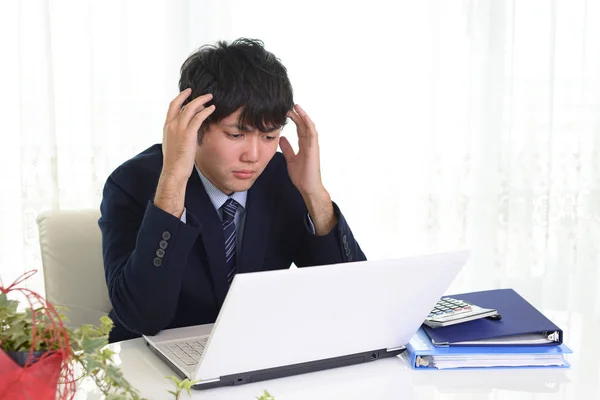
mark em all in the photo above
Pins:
pixel 180 136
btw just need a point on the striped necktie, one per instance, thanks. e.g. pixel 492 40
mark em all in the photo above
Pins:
pixel 229 209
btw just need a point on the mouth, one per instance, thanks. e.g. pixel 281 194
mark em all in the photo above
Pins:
pixel 244 174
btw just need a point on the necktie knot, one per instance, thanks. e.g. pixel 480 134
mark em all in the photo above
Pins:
pixel 229 208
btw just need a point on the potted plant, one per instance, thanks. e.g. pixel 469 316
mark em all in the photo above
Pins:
pixel 42 359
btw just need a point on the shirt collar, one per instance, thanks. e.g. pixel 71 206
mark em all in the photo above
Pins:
pixel 217 197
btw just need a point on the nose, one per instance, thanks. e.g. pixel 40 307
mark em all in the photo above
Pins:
pixel 251 151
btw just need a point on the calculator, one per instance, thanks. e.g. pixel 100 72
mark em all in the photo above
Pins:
pixel 450 311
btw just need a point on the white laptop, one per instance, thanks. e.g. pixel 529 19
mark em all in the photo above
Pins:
pixel 287 322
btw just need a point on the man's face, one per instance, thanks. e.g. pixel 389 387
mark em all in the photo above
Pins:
pixel 232 159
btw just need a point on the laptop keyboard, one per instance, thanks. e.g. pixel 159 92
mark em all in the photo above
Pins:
pixel 189 351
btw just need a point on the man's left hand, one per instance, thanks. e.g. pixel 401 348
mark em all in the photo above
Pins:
pixel 304 169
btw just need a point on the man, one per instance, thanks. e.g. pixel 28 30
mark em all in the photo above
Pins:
pixel 180 220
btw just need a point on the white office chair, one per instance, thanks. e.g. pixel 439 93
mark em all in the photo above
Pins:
pixel 71 247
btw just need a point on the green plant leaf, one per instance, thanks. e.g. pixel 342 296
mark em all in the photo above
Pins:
pixel 187 385
pixel 92 344
pixel 266 396
pixel 175 379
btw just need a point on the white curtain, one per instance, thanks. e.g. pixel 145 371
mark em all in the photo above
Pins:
pixel 442 124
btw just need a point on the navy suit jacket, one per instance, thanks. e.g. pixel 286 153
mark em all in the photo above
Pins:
pixel 188 283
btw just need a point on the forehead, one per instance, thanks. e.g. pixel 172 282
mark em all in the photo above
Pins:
pixel 232 121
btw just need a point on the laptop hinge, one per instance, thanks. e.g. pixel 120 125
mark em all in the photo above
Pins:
pixel 396 348
pixel 204 381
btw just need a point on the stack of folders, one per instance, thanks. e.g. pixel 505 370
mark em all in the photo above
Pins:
pixel 524 337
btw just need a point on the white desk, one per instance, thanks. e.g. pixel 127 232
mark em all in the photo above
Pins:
pixel 392 378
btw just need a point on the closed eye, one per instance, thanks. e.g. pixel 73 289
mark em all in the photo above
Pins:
pixel 234 135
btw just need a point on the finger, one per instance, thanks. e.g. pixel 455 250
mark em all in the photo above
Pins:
pixel 175 104
pixel 193 108
pixel 301 127
pixel 302 114
pixel 293 115
pixel 200 117
pixel 307 133
pixel 286 149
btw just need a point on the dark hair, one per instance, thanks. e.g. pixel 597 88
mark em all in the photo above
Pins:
pixel 241 74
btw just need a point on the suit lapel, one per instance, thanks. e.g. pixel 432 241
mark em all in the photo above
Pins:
pixel 211 231
pixel 259 206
